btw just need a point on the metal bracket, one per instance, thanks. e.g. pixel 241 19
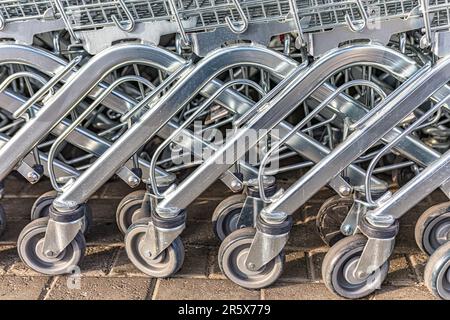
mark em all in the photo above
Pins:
pixel 127 175
pixel 321 42
pixel 59 235
pixel 261 33
pixel 232 181
pixel 264 248
pixel 158 239
pixel 247 216
pixel 375 254
pixel 350 223
pixel 28 172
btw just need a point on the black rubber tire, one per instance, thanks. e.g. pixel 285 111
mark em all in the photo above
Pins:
pixel 42 205
pixel 330 217
pixel 31 238
pixel 437 272
pixel 233 250
pixel 165 265
pixel 225 215
pixel 345 254
pixel 127 208
pixel 425 229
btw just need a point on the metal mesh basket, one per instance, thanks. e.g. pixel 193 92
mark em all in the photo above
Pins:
pixel 84 14
pixel 439 13
pixel 210 14
pixel 23 9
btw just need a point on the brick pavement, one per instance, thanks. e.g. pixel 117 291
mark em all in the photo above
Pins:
pixel 107 273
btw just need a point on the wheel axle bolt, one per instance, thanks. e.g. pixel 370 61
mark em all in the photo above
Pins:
pixel 361 274
pixel 344 190
pixel 148 254
pixel 32 176
pixel 251 266
pixel 133 181
pixel 49 253
pixel 348 230
pixel 236 185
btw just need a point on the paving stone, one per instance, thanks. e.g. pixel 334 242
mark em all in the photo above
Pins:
pixel 104 209
pixel 214 271
pixel 116 188
pixel 98 260
pixel 17 209
pixel 304 236
pixel 13 230
pixel 101 288
pixel 316 258
pixel 199 289
pixel 418 261
pixel 217 190
pixel 199 233
pixel 403 293
pixel 202 210
pixel 195 263
pixel 21 288
pixel 404 241
pixel 400 272
pixel 104 232
pixel 299 291
pixel 8 257
pixel 123 267
pixel 295 267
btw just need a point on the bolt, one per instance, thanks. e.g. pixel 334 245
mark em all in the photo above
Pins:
pixel 236 185
pixel 147 254
pixel 32 176
pixel 251 266
pixel 347 229
pixel 133 181
pixel 344 190
pixel 49 253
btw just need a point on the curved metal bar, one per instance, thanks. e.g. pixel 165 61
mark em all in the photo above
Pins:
pixel 162 86
pixel 65 18
pixel 305 120
pixel 127 26
pixel 79 86
pixel 243 26
pixel 192 82
pixel 188 121
pixel 360 25
pixel 23 74
pixel 42 91
pixel 390 145
pixel 294 11
pixel 176 15
pixel 80 118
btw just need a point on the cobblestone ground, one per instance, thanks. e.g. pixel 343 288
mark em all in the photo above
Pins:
pixel 108 274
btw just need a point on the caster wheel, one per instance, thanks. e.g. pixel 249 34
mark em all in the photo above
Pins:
pixel 42 205
pixel 232 255
pixel 226 215
pixel 339 264
pixel 437 272
pixel 30 244
pixel 162 266
pixel 129 210
pixel 330 217
pixel 2 221
pixel 433 228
